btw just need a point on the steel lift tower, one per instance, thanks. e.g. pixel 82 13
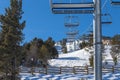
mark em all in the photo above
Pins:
pixel 89 7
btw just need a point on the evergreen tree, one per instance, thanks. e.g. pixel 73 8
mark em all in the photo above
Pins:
pixel 54 53
pixel 115 53
pixel 63 43
pixel 32 51
pixel 91 61
pixel 116 39
pixel 115 50
pixel 44 54
pixel 86 40
pixel 83 44
pixel 11 35
pixel 39 51
pixel 50 46
pixel 90 36
pixel 49 42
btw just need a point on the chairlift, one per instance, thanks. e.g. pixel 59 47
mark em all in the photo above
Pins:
pixel 71 36
pixel 107 19
pixel 115 2
pixel 72 33
pixel 71 8
pixel 71 21
pixel 70 39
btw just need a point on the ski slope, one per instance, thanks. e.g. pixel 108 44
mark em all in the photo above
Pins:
pixel 77 58
pixel 108 76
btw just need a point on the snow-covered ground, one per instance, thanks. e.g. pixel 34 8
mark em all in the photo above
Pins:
pixel 77 58
pixel 108 76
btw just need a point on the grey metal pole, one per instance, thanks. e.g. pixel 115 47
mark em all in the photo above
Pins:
pixel 97 41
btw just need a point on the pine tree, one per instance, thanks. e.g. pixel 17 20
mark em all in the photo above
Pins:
pixel 64 47
pixel 11 35
pixel 116 39
pixel 32 50
pixel 91 61
pixel 50 46
pixel 115 53
pixel 90 36
pixel 49 42
pixel 44 54
pixel 115 50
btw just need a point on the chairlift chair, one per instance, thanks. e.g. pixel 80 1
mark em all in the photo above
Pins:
pixel 72 33
pixel 71 21
pixel 107 19
pixel 71 36
pixel 115 2
pixel 70 39
pixel 71 24
pixel 71 8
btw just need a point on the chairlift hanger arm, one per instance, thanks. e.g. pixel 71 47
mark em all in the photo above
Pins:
pixel 107 22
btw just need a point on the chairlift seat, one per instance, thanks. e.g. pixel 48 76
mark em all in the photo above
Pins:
pixel 115 2
pixel 71 24
pixel 71 5
pixel 70 11
pixel 72 8
pixel 106 22
pixel 72 33
pixel 70 37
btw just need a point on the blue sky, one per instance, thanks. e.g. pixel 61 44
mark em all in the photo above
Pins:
pixel 41 23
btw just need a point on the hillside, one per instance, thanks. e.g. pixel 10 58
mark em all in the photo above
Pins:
pixel 79 58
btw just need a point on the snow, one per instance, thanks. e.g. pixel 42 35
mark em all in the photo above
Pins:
pixel 77 58
pixel 108 76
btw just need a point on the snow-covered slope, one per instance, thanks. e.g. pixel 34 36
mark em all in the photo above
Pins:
pixel 108 57
pixel 108 76
pixel 77 58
